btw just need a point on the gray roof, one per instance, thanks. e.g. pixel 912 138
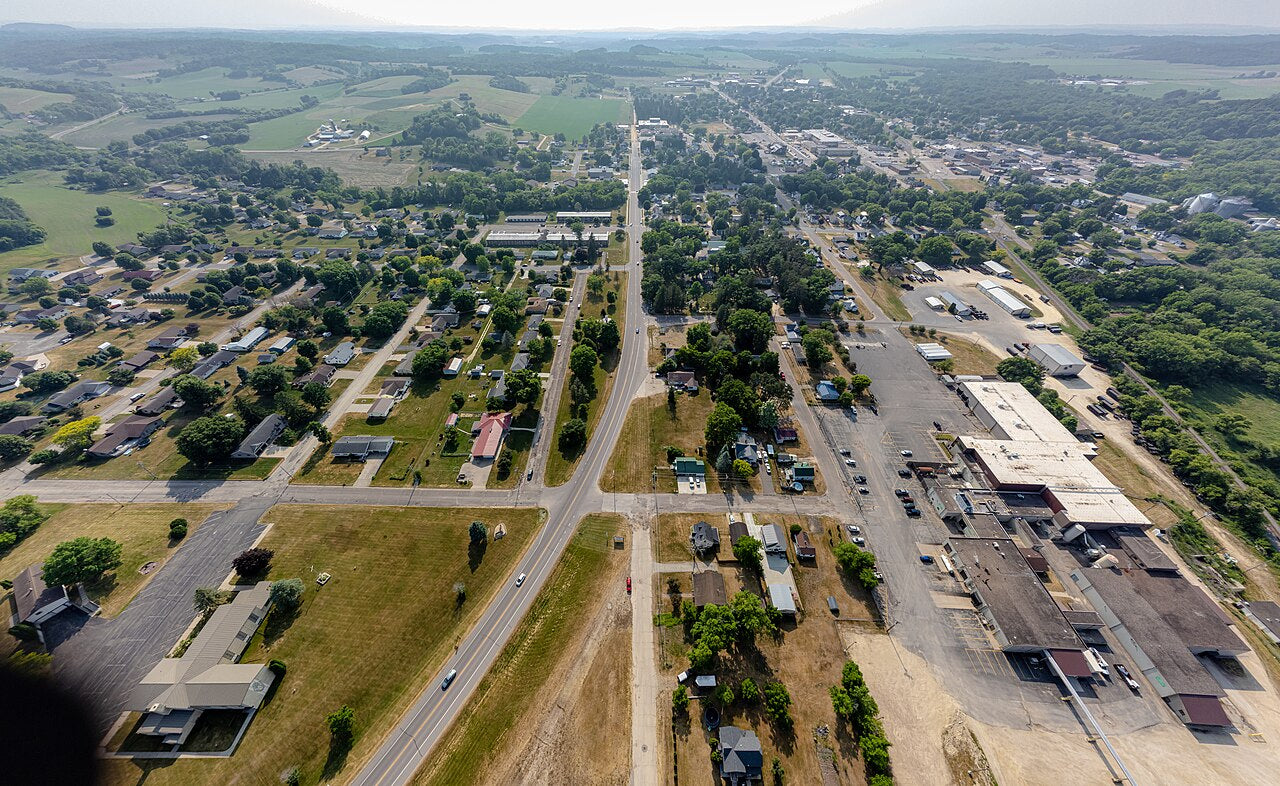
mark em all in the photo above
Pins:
pixel 207 674
pixel 704 537
pixel 22 425
pixel 781 598
pixel 30 594
pixel 159 402
pixel 341 354
pixel 741 756
pixel 381 407
pixel 262 435
pixel 358 446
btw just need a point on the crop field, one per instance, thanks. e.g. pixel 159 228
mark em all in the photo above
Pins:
pixel 124 127
pixel 508 103
pixel 272 99
pixel 68 218
pixel 353 165
pixel 572 117
pixel 197 83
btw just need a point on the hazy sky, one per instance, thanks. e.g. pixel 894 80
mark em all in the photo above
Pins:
pixel 652 14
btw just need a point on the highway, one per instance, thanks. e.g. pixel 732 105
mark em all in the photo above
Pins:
pixel 431 714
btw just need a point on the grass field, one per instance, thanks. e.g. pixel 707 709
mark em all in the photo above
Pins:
pixel 560 465
pixel 887 296
pixel 967 356
pixel 370 638
pixel 141 530
pixel 650 427
pixel 573 117
pixel 513 695
pixel 19 100
pixel 125 127
pixel 197 84
pixel 68 218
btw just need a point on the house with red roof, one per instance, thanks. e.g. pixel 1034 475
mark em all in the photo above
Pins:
pixel 489 431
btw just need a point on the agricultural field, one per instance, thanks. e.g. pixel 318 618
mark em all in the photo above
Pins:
pixel 19 100
pixel 196 84
pixel 67 216
pixel 354 165
pixel 573 117
pixel 394 572
pixel 125 127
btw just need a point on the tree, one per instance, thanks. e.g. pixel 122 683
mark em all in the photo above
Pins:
pixel 342 725
pixel 48 381
pixel 573 435
pixel 504 319
pixel 934 250
pixel 746 550
pixel 178 529
pixel 428 363
pixel 817 348
pixel 286 594
pixel 858 565
pixel 478 532
pixel 582 362
pixel 77 325
pixel 316 394
pixel 184 358
pixel 743 469
pixel 206 599
pixel 680 700
pixel 209 439
pixel 83 559
pixel 308 349
pixel 524 386
pixel 751 329
pixel 35 286
pixel 749 692
pixel 78 434
pixel 858 384
pixel 120 376
pixel 777 704
pixel 13 447
pixel 722 427
pixel 253 562
pixel 385 319
pixel 196 393
pixel 269 380
pixel 1024 371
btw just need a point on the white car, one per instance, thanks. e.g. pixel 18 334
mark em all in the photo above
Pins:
pixel 768 469
pixel 519 579
pixel 851 462
pixel 906 453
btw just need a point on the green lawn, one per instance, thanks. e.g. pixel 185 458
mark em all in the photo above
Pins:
pixel 370 638
pixel 68 218
pixel 141 530
pixel 19 100
pixel 514 689
pixel 126 126
pixel 198 83
pixel 649 428
pixel 573 117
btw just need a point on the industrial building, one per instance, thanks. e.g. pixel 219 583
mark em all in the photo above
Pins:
pixel 954 304
pixel 934 303
pixel 1056 360
pixel 1005 299
pixel 1010 412
pixel 996 269
pixel 248 341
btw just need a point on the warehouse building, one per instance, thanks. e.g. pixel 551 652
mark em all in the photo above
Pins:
pixel 996 269
pixel 954 304
pixel 1010 412
pixel 1005 299
pixel 1056 360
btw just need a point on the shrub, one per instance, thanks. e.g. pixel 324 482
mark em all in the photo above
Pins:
pixel 680 699
pixel 277 667
pixel 24 631
pixel 253 562
pixel 178 529
pixel 286 593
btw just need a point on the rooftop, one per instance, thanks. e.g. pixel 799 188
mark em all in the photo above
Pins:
pixel 1015 413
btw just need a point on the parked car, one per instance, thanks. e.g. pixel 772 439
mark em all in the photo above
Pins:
pixel 628 585
pixel 926 559
pixel 851 462
pixel 854 529
pixel 906 453
pixel 904 473
pixel 863 490
pixel 901 492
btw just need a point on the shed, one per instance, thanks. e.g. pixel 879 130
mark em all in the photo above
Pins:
pixel 780 598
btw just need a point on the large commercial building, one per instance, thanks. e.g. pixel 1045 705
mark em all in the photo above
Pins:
pixel 1010 412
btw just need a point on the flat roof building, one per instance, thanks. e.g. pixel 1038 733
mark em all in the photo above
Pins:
pixel 1056 360
pixel 1011 412
pixel 1005 299
pixel 1019 609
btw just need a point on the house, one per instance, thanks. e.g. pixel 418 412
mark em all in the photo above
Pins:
pixel 395 388
pixel 708 589
pixel 81 278
pixel 213 364
pixel 33 600
pixel 76 394
pixel 826 391
pixel 536 305
pixel 405 367
pixel 10 378
pixel 499 388
pixel 140 360
pixel 381 408
pixel 682 380
pixel 304 252
pixel 454 366
pixel 133 249
pixel 263 434
pixel 23 425
pixel 747 449
pixel 773 539
pixel 322 373
pixel 741 758
pixel 126 434
pixel 803 472
pixel 704 538
pixel 281 345
pixel 737 530
pixel 20 274
pixel 359 448
pixel 784 434
pixel 148 274
pixel 236 296
pixel 158 403
pixel 337 253
pixel 341 355
pixel 171 338
pixel 520 362
pixel 177 691
pixel 804 547
pixel 489 431
pixel 781 598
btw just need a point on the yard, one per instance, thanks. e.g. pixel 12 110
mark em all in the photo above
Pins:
pixel 142 531
pixel 806 657
pixel 968 357
pixel 573 117
pixel 560 465
pixel 68 216
pixel 541 714
pixel 369 638
pixel 649 428
pixel 887 295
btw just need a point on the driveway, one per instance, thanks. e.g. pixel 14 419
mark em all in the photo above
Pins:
pixel 101 660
